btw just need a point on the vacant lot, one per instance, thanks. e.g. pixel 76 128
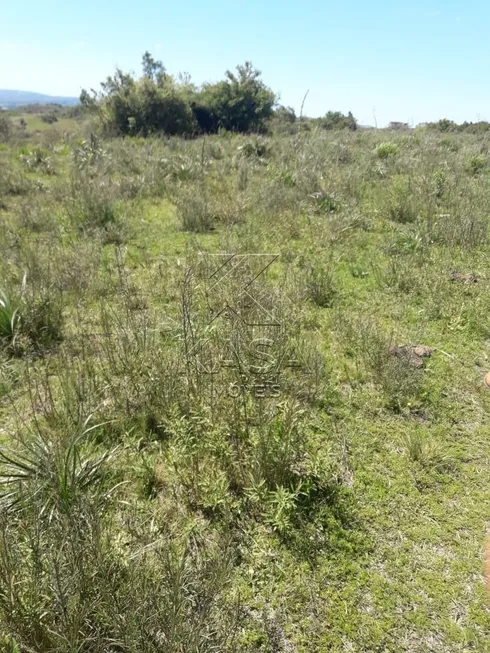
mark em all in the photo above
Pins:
pixel 286 452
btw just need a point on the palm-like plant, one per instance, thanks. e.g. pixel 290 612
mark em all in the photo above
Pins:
pixel 53 473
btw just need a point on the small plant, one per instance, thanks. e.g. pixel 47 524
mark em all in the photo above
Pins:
pixel 325 203
pixel 49 118
pixel 439 183
pixel 385 150
pixel 476 164
pixel 53 473
pixel 257 148
pixel 320 285
pixel 8 645
pixel 400 201
pixel 38 160
pixel 424 449
pixel 9 319
pixel 195 211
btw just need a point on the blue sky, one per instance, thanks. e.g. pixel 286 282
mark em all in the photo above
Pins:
pixel 410 61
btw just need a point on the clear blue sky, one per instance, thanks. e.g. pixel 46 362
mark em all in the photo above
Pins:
pixel 410 61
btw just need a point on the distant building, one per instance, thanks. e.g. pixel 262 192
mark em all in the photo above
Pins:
pixel 399 126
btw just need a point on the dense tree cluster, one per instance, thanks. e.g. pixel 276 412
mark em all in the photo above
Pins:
pixel 158 102
pixel 445 125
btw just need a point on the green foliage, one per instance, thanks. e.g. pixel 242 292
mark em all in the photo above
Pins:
pixel 337 120
pixel 157 103
pixel 31 321
pixel 240 103
pixel 320 284
pixel 9 319
pixel 204 514
pixel 49 118
pixel 476 164
pixel 446 125
pixel 400 201
pixel 53 474
pixel 144 107
pixel 385 150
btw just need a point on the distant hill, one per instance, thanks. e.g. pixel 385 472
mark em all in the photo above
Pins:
pixel 12 99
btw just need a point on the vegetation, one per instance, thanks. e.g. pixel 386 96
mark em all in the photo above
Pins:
pixel 159 103
pixel 337 120
pixel 208 452
pixel 446 125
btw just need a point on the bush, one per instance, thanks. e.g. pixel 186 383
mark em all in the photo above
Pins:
pixel 32 321
pixel 400 203
pixel 49 118
pixel 337 120
pixel 143 107
pixel 385 150
pixel 475 164
pixel 240 103
pixel 320 285
pixel 157 103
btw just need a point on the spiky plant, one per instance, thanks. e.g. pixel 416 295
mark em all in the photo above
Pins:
pixel 9 319
pixel 52 472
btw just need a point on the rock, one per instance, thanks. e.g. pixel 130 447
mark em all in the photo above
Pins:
pixel 412 354
pixel 463 278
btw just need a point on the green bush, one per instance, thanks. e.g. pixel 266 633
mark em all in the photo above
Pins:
pixel 240 103
pixel 400 201
pixel 337 120
pixel 476 164
pixel 156 102
pixel 385 150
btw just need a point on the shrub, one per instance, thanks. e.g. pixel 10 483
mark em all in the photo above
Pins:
pixel 195 211
pixel 320 285
pixel 385 150
pixel 476 164
pixel 157 103
pixel 49 118
pixel 240 103
pixel 337 120
pixel 400 201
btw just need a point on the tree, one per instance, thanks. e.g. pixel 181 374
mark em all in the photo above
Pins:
pixel 157 102
pixel 337 120
pixel 241 102
pixel 154 70
pixel 285 114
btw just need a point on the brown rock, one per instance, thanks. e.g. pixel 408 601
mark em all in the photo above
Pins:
pixel 463 278
pixel 412 354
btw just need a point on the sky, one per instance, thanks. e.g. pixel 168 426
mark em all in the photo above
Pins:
pixel 383 60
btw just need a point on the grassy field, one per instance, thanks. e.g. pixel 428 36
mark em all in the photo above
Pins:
pixel 201 454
